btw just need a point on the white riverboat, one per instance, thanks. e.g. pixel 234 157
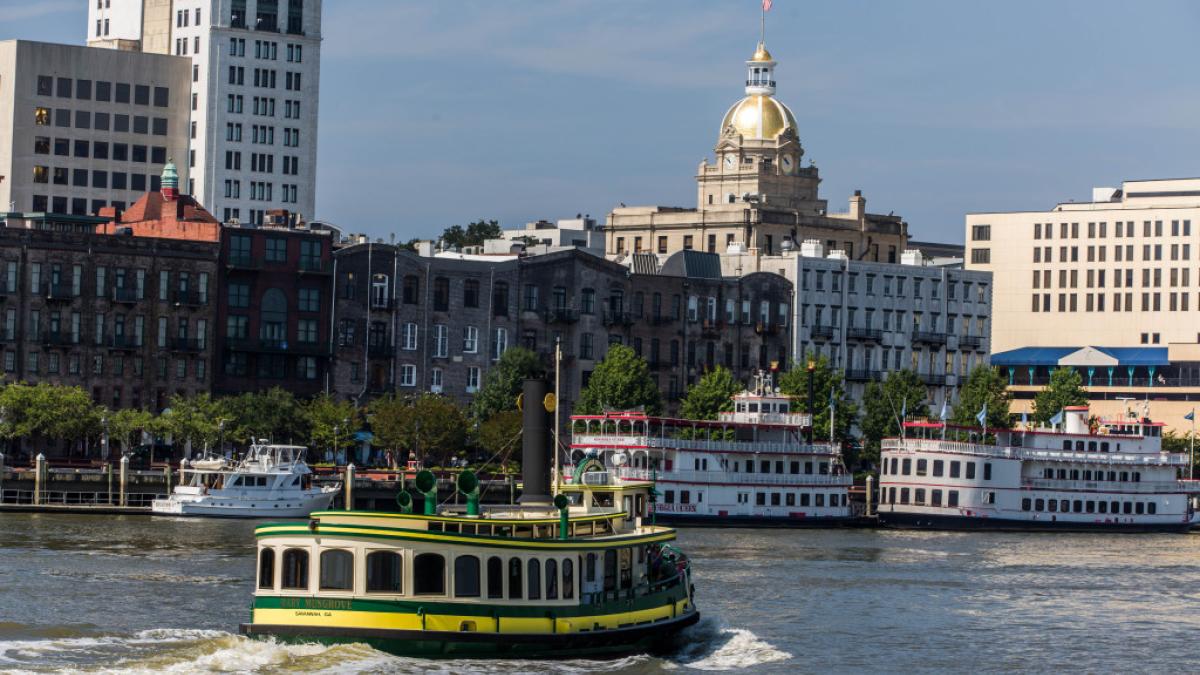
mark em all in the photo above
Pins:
pixel 271 481
pixel 1106 475
pixel 752 466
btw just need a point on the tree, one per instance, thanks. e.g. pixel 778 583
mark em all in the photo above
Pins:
pixel 883 404
pixel 430 425
pixel 274 414
pixel 191 419
pixel 126 425
pixel 620 382
pixel 501 433
pixel 794 383
pixel 503 383
pixel 47 410
pixel 323 413
pixel 1064 389
pixel 984 384
pixel 456 236
pixel 711 395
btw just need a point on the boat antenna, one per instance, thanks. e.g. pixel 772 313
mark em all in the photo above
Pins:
pixel 557 449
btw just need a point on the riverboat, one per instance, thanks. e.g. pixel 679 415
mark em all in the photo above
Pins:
pixel 753 466
pixel 584 575
pixel 1087 474
pixel 270 481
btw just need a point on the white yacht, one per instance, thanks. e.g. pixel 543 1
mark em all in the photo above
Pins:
pixel 271 481
pixel 751 466
pixel 1088 474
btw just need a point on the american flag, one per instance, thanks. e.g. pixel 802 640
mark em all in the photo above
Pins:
pixel 766 5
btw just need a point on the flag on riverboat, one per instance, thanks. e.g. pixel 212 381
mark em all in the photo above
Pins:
pixel 945 413
pixel 981 417
pixel 1057 419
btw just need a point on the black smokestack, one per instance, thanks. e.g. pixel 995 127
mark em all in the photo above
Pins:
pixel 535 444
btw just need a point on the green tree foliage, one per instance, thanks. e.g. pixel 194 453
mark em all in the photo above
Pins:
pixel 473 234
pixel 711 395
pixel 503 382
pixel 501 434
pixel 191 419
pixel 274 414
pixel 323 414
pixel 984 384
pixel 47 410
pixel 126 426
pixel 1064 389
pixel 620 382
pixel 430 425
pixel 882 406
pixel 794 383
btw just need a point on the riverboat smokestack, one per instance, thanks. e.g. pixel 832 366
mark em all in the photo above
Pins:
pixel 535 444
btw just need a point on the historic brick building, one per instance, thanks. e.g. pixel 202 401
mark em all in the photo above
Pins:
pixel 273 307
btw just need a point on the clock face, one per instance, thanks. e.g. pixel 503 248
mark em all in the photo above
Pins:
pixel 728 161
pixel 787 164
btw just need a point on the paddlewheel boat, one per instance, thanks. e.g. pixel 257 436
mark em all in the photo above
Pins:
pixel 751 466
pixel 1106 475
pixel 585 574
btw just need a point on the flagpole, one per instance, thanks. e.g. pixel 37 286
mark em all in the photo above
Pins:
pixel 1192 449
pixel 762 31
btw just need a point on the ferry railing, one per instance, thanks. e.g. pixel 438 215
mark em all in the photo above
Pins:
pixel 689 476
pixel 1141 487
pixel 752 447
pixel 59 498
pixel 992 451
pixel 635 591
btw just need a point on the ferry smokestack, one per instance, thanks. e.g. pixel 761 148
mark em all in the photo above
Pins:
pixel 535 444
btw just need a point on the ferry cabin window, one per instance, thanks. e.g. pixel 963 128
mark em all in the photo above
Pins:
pixel 893 471
pixel 429 574
pixel 922 467
pixel 808 467
pixel 1128 508
pixel 266 568
pixel 1103 446
pixel 1062 474
pixel 795 467
pixel 1077 506
pixel 1141 508
pixel 295 569
pixel 535 579
pixel 760 499
pixel 1152 508
pixel 515 591
pixel 989 498
pixel 1048 473
pixel 1066 506
pixel 749 466
pixel 764 466
pixel 891 497
pixel 669 497
pixel 1039 505
pixel 1053 505
pixel 466 576
pixel 568 578
pixel 987 470
pixel 970 470
pixel 823 468
pixel 495 577
pixel 384 572
pixel 1091 506
pixel 903 495
pixel 938 467
pixel 551 579
pixel 1074 474
pixel 919 496
pixel 955 469
pixel 337 570
pixel 935 498
pixel 1102 507
pixel 685 497
pixel 1026 504
pixel 791 499
pixel 820 499
pixel 805 498
pixel 610 570
pixel 590 573
pixel 952 499
pixel 907 464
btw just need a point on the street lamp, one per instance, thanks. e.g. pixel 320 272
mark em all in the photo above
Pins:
pixel 104 439
pixel 812 367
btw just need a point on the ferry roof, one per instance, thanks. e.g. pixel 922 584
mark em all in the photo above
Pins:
pixel 928 424
pixel 1054 356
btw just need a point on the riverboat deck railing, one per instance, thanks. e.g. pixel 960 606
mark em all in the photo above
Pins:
pixel 689 476
pixel 992 451
pixel 59 498
pixel 658 442
pixel 1140 487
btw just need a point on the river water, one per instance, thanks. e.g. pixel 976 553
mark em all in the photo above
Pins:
pixel 135 594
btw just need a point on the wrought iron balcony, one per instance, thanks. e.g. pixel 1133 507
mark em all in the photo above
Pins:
pixel 933 379
pixel 315 266
pixel 60 292
pixel 186 345
pixel 244 262
pixel 124 342
pixel 868 334
pixel 126 295
pixel 822 332
pixel 59 339
pixel 612 318
pixel 862 375
pixel 970 342
pixel 189 298
pixel 929 337
pixel 561 315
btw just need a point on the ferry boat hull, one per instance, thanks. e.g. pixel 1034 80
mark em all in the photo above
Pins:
pixel 642 637
pixel 925 521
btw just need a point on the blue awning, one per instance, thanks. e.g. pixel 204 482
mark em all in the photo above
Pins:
pixel 1138 356
pixel 1051 356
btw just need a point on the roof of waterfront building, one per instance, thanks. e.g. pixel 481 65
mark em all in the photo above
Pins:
pixel 1082 356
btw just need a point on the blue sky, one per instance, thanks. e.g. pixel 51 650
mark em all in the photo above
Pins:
pixel 435 113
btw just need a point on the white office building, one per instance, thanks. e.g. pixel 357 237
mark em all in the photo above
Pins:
pixel 255 83
pixel 82 129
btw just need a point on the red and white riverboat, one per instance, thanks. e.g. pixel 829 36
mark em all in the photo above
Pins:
pixel 751 466
pixel 1085 474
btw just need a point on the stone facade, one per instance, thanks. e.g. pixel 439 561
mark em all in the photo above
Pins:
pixel 129 319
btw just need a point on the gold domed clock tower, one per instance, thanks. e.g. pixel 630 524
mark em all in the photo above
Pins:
pixel 758 151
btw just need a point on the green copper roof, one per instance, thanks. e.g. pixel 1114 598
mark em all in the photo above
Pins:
pixel 170 176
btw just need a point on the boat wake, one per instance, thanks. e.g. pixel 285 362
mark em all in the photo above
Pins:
pixel 713 646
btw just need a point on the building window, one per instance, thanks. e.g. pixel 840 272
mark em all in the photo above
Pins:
pixel 408 375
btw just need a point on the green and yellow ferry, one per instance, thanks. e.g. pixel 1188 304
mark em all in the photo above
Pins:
pixel 584 575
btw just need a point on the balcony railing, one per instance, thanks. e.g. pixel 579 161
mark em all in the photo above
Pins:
pixel 929 337
pixel 981 450
pixel 244 262
pixel 760 83
pixel 381 351
pixel 186 345
pixel 561 315
pixel 755 478
pixel 59 339
pixel 862 375
pixel 62 292
pixel 124 342
pixel 127 295
pixel 189 298
pixel 315 266
pixel 822 332
pixel 870 334
pixel 933 379
pixel 661 320
pixel 750 447
pixel 612 318
pixel 271 346
pixel 970 342
pixel 1104 486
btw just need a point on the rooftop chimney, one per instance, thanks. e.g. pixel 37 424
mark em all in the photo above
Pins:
pixel 170 182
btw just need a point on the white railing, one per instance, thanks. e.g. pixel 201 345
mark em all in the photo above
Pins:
pixel 980 450
pixel 750 447
pixel 1150 487
pixel 721 477
pixel 788 419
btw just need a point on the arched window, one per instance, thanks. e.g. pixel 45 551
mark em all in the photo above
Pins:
pixel 379 291
pixel 429 574
pixel 495 577
pixel 466 576
pixel 266 568
pixel 384 572
pixel 514 579
pixel 535 579
pixel 274 316
pixel 337 570
pixel 295 569
pixel 551 579
pixel 568 571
